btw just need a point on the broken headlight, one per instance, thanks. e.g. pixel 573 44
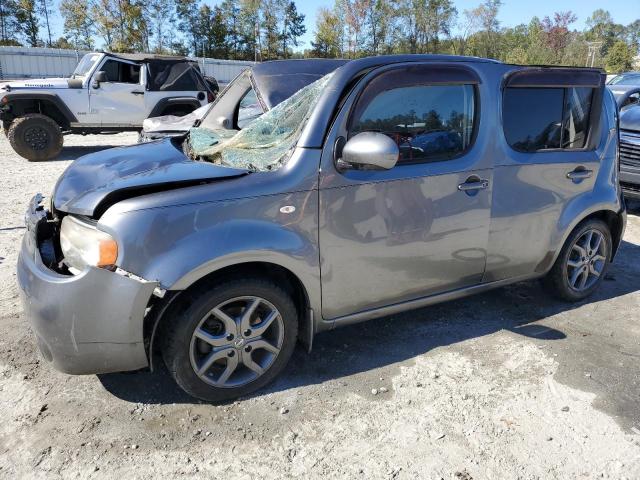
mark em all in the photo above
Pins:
pixel 83 245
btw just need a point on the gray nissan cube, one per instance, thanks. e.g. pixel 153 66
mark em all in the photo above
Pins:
pixel 388 184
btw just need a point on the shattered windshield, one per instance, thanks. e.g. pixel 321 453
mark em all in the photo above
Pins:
pixel 264 144
pixel 86 64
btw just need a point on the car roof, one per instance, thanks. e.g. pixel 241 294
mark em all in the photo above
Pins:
pixel 146 57
pixel 277 80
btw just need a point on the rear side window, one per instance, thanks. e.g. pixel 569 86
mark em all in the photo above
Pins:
pixel 429 122
pixel 538 118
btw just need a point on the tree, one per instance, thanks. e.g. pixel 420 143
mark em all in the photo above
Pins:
pixel 271 12
pixel 27 17
pixel 632 34
pixel 214 32
pixel 161 22
pixel 9 26
pixel 188 13
pixel 557 32
pixel 620 58
pixel 488 40
pixel 293 27
pixel 78 24
pixel 326 43
pixel 601 28
pixel 44 9
pixel 231 17
pixel 356 13
pixel 104 19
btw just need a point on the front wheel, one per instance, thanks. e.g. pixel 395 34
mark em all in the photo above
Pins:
pixel 35 137
pixel 231 339
pixel 582 263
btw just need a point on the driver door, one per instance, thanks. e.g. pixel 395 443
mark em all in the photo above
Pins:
pixel 118 102
pixel 421 227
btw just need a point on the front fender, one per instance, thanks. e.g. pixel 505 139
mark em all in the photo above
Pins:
pixel 177 246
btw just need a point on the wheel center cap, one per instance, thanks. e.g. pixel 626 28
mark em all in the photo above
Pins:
pixel 239 343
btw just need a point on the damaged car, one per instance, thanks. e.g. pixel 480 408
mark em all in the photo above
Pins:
pixel 256 90
pixel 388 184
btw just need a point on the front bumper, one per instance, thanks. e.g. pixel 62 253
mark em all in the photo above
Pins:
pixel 85 324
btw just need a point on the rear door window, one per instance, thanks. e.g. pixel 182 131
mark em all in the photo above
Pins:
pixel 549 109
pixel 532 118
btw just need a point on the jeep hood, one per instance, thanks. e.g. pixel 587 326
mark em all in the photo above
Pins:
pixel 96 181
pixel 35 83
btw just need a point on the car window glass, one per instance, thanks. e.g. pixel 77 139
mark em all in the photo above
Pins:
pixel 174 76
pixel 121 72
pixel 428 122
pixel 539 118
pixel 626 80
pixel 249 109
pixel 532 117
pixel 576 117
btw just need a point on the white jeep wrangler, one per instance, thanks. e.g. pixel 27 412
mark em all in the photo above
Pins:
pixel 106 93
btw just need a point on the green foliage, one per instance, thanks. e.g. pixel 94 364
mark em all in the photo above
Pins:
pixel 78 24
pixel 620 58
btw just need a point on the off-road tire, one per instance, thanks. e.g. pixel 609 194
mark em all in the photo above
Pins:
pixel 177 331
pixel 556 282
pixel 35 137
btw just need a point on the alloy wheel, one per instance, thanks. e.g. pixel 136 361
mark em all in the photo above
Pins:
pixel 587 260
pixel 236 341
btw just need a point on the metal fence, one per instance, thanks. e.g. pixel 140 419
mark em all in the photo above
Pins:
pixel 29 62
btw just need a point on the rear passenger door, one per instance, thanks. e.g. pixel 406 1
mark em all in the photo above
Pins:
pixel 548 168
pixel 420 228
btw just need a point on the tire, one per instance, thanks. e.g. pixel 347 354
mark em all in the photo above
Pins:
pixel 183 352
pixel 35 137
pixel 558 281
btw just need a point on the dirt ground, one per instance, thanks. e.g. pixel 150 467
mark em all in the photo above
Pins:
pixel 508 384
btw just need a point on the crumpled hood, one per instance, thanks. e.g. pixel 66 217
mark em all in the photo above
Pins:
pixel 94 182
pixel 35 83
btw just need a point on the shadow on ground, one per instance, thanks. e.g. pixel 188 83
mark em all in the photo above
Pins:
pixel 382 342
pixel 75 152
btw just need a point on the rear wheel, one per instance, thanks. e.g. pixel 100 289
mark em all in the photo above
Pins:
pixel 231 339
pixel 35 137
pixel 582 263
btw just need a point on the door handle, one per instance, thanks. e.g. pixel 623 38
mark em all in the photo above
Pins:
pixel 471 185
pixel 579 174
pixel 137 92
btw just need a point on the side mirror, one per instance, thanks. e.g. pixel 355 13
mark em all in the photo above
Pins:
pixel 99 77
pixel 370 150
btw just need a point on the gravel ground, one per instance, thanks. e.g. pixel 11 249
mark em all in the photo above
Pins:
pixel 508 384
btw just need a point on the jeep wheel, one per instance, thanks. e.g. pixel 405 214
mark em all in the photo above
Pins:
pixel 582 263
pixel 230 339
pixel 35 137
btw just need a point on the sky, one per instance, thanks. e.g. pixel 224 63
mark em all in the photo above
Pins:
pixel 512 12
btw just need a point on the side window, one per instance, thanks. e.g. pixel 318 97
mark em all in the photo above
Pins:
pixel 121 72
pixel 429 122
pixel 536 118
pixel 249 109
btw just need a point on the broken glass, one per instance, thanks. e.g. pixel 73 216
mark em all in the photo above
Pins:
pixel 264 144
